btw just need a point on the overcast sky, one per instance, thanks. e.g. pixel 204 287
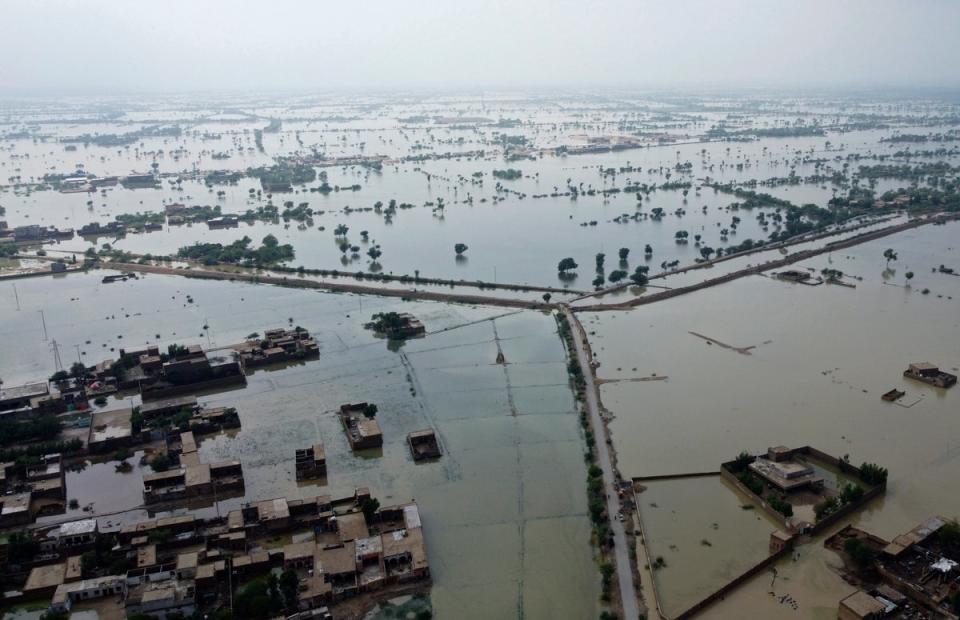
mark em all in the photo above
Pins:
pixel 319 45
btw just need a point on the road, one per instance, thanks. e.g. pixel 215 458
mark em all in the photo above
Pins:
pixel 620 546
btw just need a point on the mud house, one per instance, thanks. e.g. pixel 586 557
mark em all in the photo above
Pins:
pixel 110 430
pixel 278 345
pixel 311 462
pixel 362 432
pixel 424 445
pixel 930 374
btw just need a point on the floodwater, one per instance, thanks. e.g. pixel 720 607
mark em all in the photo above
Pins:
pixel 510 237
pixel 704 535
pixel 504 509
pixel 822 357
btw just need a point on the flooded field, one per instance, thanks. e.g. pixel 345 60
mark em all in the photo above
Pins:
pixel 699 537
pixel 586 176
pixel 814 362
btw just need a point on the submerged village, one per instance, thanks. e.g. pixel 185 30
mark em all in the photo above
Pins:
pixel 647 356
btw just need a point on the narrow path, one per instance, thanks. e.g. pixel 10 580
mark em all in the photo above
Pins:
pixel 628 592
pixel 294 282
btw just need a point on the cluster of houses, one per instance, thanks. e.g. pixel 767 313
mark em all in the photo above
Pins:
pixel 278 345
pixel 191 478
pixel 916 575
pixel 38 488
pixel 178 565
pixel 34 232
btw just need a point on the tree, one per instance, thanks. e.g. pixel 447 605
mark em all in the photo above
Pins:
pixel 370 410
pixel 369 506
pixel 861 553
pixel 78 370
pixel 374 252
pixel 639 275
pixel 648 250
pixel 546 298
pixel 566 265
pixel 161 462
pixel 289 587
pixel 600 258
pixel 890 255
pixel 623 253
pixel 617 275
pixel 460 248
pixel 909 276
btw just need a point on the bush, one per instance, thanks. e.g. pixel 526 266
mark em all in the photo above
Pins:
pixel 873 474
pixel 861 553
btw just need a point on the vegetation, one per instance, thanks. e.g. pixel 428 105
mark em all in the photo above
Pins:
pixel 43 428
pixel 369 506
pixel 781 505
pixel 510 174
pixel 239 252
pixel 566 264
pixel 860 552
pixel 873 474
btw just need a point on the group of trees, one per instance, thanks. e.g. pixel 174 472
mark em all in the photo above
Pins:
pixel 43 428
pixel 850 494
pixel 240 252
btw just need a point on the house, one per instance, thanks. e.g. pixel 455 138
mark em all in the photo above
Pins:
pixel 278 345
pixel 67 594
pixel 44 580
pixel 362 432
pixel 166 406
pixel 110 430
pixel 311 462
pixel 780 470
pixel 424 445
pixel 162 599
pixel 15 509
pixel 861 606
pixel 928 373
pixel 77 534
pixel 19 397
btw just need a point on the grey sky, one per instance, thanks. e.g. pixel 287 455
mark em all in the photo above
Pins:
pixel 180 45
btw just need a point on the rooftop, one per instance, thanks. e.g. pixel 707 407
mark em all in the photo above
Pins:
pixel 863 605
pixel 78 528
pixel 42 577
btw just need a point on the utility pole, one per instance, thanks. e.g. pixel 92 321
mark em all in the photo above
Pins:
pixel 77 347
pixel 16 296
pixel 43 319
pixel 56 356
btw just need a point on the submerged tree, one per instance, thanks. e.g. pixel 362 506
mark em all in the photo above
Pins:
pixel 566 265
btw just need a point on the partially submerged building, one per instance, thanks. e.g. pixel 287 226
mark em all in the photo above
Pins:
pixel 424 445
pixel 930 374
pixel 279 345
pixel 110 430
pixel 919 573
pixel 779 469
pixel 362 432
pixel 311 462
pixel 396 325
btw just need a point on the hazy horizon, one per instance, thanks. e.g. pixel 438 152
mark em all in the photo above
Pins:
pixel 110 47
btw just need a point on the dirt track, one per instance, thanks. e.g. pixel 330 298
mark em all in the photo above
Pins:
pixel 342 287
